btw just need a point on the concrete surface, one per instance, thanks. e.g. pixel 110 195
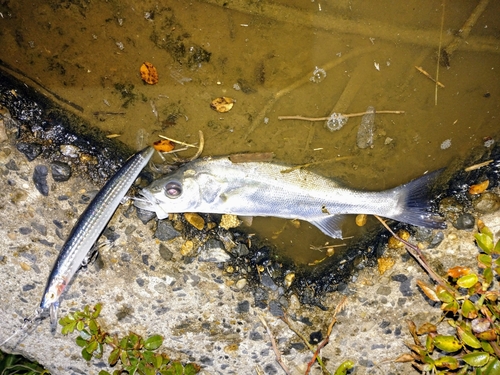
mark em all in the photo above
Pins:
pixel 202 315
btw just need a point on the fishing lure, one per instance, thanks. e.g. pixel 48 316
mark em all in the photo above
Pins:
pixel 84 234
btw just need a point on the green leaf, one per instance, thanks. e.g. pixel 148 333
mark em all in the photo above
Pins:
pixel 496 250
pixel 97 310
pixel 446 361
pixel 92 347
pixel 93 326
pixel 467 281
pixel 476 359
pixel 448 344
pixel 81 342
pixel 124 342
pixel 484 260
pixel 102 372
pixel 86 355
pixel 342 369
pixel 493 368
pixel 177 366
pixel 149 357
pixel 485 242
pixel 66 320
pixel 468 338
pixel 113 356
pixel 469 310
pixel 192 369
pixel 488 276
pixel 444 295
pixel 153 342
pixel 80 325
pixel 68 328
pixel 486 346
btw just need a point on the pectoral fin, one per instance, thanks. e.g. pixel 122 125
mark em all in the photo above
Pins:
pixel 329 225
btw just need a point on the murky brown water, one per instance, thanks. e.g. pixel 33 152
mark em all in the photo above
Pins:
pixel 89 52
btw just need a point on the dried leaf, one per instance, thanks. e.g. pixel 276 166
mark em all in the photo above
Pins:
pixel 479 188
pixel 458 271
pixel 222 104
pixel 163 145
pixel 428 291
pixel 149 74
pixel 426 328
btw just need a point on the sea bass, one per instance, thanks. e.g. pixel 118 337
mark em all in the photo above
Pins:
pixel 217 185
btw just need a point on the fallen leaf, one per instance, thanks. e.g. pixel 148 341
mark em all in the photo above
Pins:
pixel 222 104
pixel 149 74
pixel 163 145
pixel 479 188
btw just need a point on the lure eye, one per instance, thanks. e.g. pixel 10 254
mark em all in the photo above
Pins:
pixel 173 189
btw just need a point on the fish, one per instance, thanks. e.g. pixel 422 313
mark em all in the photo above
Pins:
pixel 85 233
pixel 219 186
pixel 89 227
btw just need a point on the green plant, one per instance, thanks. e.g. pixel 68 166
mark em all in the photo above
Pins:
pixel 132 353
pixel 11 364
pixel 470 301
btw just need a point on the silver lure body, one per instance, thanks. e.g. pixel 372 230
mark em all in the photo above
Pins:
pixel 89 227
pixel 216 185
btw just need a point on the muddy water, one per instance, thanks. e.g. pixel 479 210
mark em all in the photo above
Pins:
pixel 263 55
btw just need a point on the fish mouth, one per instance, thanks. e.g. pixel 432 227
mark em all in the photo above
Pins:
pixel 146 201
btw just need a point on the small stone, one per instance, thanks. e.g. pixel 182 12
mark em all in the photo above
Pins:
pixel 229 221
pixel 384 290
pixel 465 222
pixel 213 251
pixel 436 240
pixel 11 165
pixel 268 282
pixel 195 220
pixel 40 179
pixel 165 231
pixel 186 248
pixel 243 307
pixel 40 228
pixel 69 150
pixel 30 150
pixel 487 203
pixel 60 171
pixel 28 287
pixel 241 283
pixel 385 264
pixel 289 279
pixel 165 253
pixel 144 215
pixel 275 308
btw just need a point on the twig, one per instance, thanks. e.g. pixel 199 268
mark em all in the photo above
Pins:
pixel 359 114
pixel 176 141
pixel 439 57
pixel 275 347
pixel 341 306
pixel 463 32
pixel 421 70
pixel 479 165
pixel 419 256
pixel 200 147
pixel 306 165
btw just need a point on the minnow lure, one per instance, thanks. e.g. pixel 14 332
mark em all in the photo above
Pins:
pixel 85 233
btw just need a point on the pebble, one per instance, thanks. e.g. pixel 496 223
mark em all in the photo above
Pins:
pixel 40 179
pixel 30 150
pixel 186 248
pixel 195 220
pixel 241 283
pixel 268 282
pixel 144 215
pixel 11 165
pixel 465 222
pixel 275 308
pixel 70 151
pixel 213 251
pixel 165 231
pixel 165 253
pixel 60 171
pixel 229 221
pixel 243 307
pixel 436 240
pixel 487 203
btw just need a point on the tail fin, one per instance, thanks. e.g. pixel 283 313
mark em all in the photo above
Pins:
pixel 415 203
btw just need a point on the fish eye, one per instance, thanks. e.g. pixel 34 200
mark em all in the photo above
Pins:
pixel 173 189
